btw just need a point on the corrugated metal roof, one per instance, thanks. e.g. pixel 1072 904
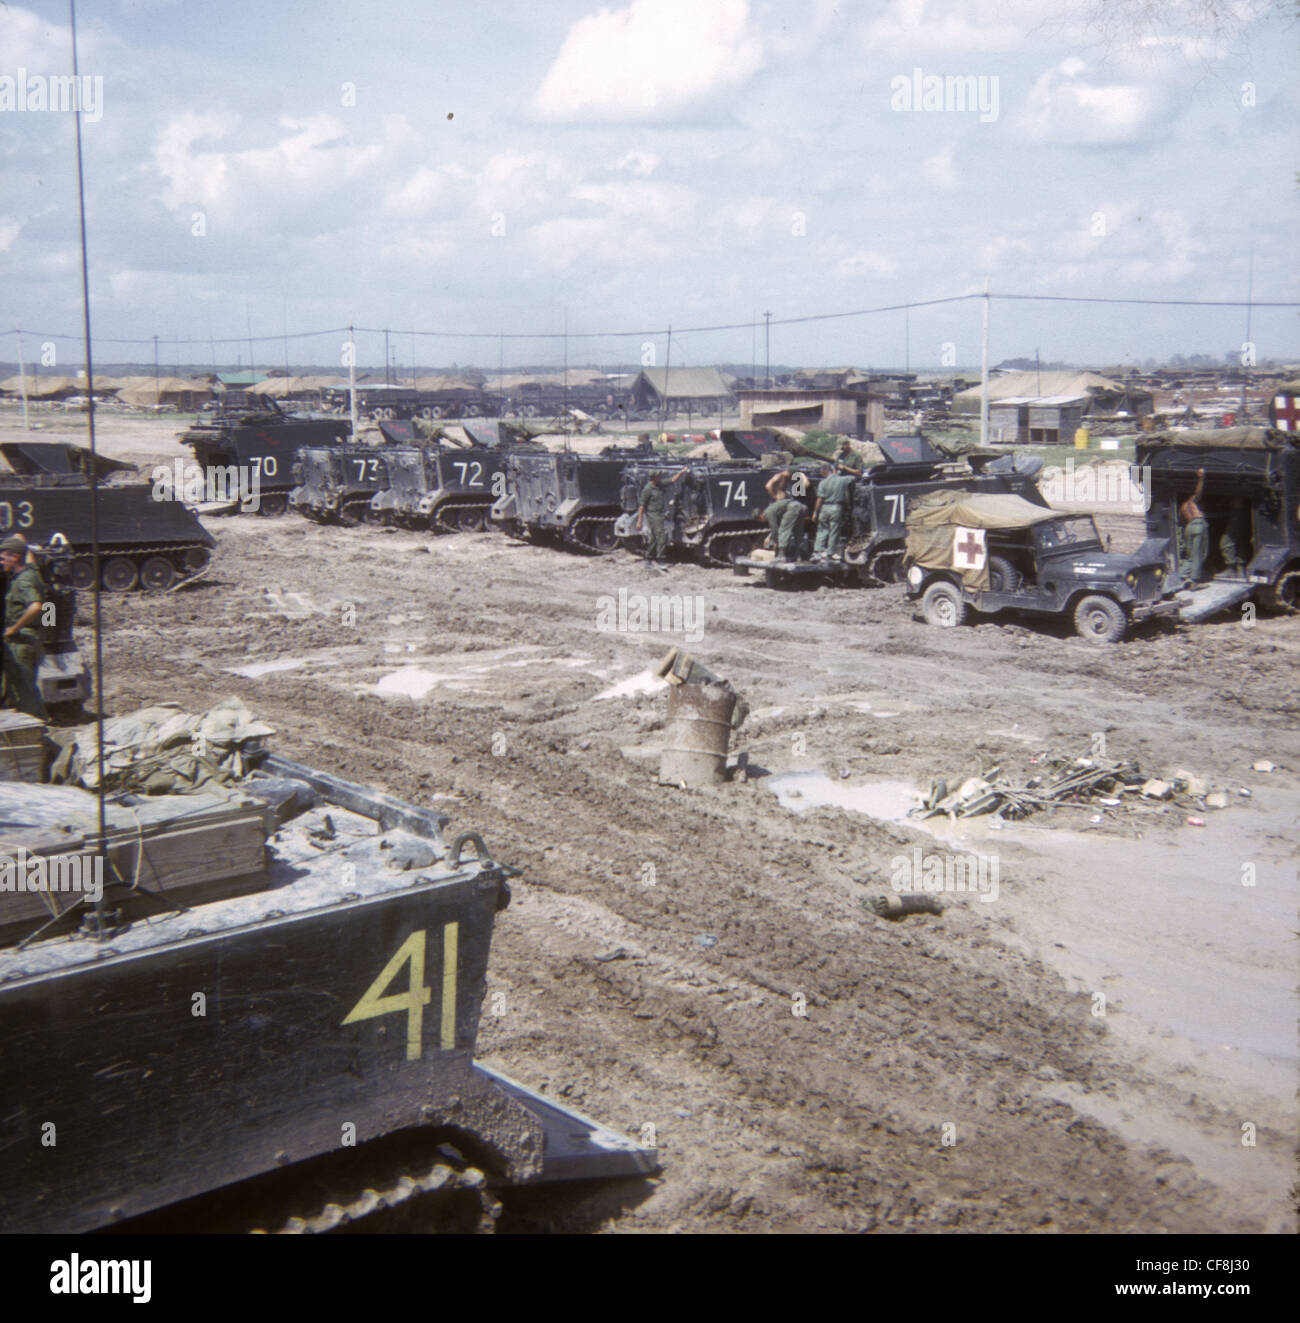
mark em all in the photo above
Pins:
pixel 685 383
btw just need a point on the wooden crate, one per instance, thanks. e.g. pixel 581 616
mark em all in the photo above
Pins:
pixel 22 747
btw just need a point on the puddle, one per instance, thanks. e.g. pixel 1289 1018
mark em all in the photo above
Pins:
pixel 254 669
pixel 643 682
pixel 410 682
pixel 889 801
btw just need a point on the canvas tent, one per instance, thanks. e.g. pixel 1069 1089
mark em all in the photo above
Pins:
pixel 703 388
pixel 175 391
pixel 938 521
pixel 1102 393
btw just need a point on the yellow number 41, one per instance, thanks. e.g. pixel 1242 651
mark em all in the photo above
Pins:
pixel 417 996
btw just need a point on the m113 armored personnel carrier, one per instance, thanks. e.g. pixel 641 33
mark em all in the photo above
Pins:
pixel 159 1071
pixel 336 484
pixel 262 442
pixel 144 542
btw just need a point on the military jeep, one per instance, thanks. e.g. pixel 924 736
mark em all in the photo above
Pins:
pixel 1000 552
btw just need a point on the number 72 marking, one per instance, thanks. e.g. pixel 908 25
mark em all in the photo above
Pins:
pixel 417 996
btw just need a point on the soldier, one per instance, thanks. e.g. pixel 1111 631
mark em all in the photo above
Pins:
pixel 1195 540
pixel 785 516
pixel 828 512
pixel 1234 542
pixel 651 509
pixel 24 599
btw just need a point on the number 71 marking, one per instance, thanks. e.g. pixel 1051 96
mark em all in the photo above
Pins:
pixel 417 996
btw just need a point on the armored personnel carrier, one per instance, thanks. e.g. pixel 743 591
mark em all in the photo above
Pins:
pixel 336 484
pixel 875 523
pixel 1251 498
pixel 440 487
pixel 144 543
pixel 573 499
pixel 333 1083
pixel 262 442
pixel 714 512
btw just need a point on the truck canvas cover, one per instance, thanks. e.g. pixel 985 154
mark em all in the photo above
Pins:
pixel 937 520
pixel 1228 438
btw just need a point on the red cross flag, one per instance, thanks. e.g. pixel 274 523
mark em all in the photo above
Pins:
pixel 1284 411
pixel 968 550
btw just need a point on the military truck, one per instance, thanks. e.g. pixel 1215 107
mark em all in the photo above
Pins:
pixel 262 443
pixel 1251 491
pixel 983 553
pixel 336 484
pixel 144 542
pixel 331 1084
pixel 574 500
pixel 875 523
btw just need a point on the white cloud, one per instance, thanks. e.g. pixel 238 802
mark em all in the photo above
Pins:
pixel 652 61
pixel 639 163
pixel 1065 110
pixel 939 171
pixel 9 231
pixel 868 263
pixel 912 28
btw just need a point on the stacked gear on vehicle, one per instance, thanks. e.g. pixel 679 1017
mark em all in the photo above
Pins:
pixel 1251 499
pixel 337 484
pixel 262 443
pixel 143 542
pixel 987 553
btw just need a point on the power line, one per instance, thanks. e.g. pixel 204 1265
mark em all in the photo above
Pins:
pixel 696 330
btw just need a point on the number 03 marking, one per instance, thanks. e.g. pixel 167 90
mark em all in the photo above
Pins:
pixel 417 995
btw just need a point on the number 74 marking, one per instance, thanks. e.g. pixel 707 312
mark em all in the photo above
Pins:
pixel 417 996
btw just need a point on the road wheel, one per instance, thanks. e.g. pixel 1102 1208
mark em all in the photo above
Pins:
pixel 472 521
pixel 1003 575
pixel 120 575
pixel 82 573
pixel 738 548
pixel 603 537
pixel 1284 595
pixel 273 506
pixel 157 574
pixel 941 605
pixel 1100 619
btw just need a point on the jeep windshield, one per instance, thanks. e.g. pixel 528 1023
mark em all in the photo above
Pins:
pixel 1075 532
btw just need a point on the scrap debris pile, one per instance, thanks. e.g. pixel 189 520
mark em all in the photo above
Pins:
pixel 1066 782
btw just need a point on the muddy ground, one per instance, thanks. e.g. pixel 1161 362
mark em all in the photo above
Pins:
pixel 951 1072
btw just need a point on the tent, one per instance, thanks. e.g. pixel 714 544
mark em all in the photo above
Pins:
pixel 174 391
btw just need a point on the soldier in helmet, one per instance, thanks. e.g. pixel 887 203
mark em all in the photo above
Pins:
pixel 24 601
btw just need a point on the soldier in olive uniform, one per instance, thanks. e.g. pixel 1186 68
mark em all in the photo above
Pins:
pixel 650 509
pixel 786 515
pixel 1194 539
pixel 828 513
pixel 24 599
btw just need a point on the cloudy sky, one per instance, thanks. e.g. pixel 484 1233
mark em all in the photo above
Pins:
pixel 519 167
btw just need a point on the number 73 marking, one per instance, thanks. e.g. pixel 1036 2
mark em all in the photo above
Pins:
pixel 417 996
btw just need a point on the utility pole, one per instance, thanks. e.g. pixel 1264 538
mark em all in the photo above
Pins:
pixel 767 351
pixel 984 373
pixel 156 391
pixel 1248 350
pixel 388 381
pixel 22 383
pixel 352 381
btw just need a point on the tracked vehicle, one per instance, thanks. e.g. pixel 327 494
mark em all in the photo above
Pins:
pixel 572 499
pixel 144 543
pixel 875 522
pixel 440 487
pixel 262 442
pixel 714 513
pixel 336 484
pixel 302 1092
pixel 1251 492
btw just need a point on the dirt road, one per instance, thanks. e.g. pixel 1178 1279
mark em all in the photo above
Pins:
pixel 1095 1049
